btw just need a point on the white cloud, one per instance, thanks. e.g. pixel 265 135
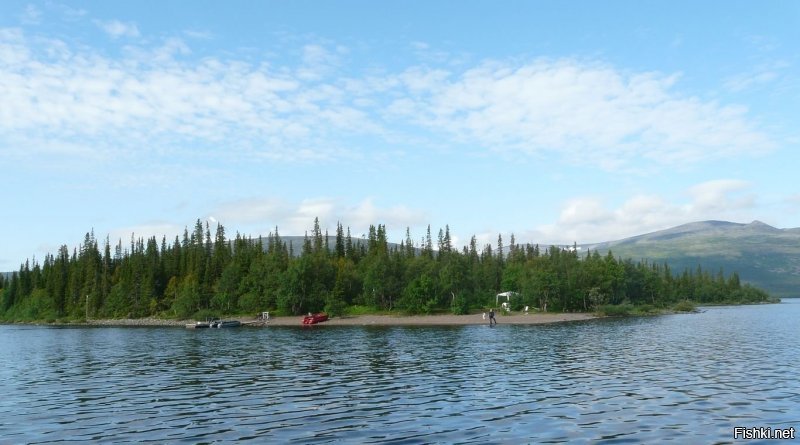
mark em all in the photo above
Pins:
pixel 250 211
pixel 720 196
pixel 760 75
pixel 14 53
pixel 591 220
pixel 302 218
pixel 66 12
pixel 31 15
pixel 792 203
pixel 580 211
pixel 588 112
pixel 198 34
pixel 318 62
pixel 158 97
pixel 117 29
pixel 586 219
pixel 261 215
pixel 396 217
pixel 151 100
pixel 157 229
pixel 742 82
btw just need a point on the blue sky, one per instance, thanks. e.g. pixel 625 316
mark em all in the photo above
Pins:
pixel 555 121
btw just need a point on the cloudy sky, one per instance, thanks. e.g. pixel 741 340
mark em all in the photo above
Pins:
pixel 557 121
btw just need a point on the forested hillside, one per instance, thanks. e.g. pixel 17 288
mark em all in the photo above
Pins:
pixel 200 273
pixel 764 256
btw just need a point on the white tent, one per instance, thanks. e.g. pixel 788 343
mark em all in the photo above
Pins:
pixel 507 296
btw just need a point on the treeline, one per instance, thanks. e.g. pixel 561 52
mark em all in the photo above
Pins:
pixel 202 274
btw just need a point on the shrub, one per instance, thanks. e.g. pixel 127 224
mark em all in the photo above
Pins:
pixel 334 306
pixel 459 306
pixel 615 310
pixel 250 302
pixel 360 310
pixel 684 306
pixel 646 309
pixel 205 314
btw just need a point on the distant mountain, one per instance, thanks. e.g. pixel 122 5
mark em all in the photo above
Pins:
pixel 766 257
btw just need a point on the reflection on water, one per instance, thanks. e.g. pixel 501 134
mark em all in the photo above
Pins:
pixel 685 378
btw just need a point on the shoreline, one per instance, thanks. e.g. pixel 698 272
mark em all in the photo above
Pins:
pixel 374 319
pixel 362 320
pixel 443 320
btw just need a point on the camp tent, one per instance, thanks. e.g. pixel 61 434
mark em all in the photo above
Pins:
pixel 506 295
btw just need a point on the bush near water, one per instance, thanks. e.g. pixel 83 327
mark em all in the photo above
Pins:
pixel 198 274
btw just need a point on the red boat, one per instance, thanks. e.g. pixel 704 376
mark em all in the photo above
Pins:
pixel 315 318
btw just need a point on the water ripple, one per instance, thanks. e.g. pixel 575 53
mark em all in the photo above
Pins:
pixel 678 378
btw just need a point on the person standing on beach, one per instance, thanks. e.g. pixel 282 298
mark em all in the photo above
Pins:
pixel 492 320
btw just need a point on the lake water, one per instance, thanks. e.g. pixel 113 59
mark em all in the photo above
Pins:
pixel 685 378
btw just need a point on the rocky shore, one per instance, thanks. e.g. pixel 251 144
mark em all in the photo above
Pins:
pixel 136 322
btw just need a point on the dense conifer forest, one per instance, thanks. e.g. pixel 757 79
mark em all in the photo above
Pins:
pixel 200 274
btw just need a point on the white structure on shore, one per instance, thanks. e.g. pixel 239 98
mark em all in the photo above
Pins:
pixel 506 295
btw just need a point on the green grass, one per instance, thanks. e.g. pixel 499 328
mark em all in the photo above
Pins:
pixel 366 310
pixel 630 310
pixel 684 306
pixel 615 310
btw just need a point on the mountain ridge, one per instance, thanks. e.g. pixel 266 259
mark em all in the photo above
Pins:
pixel 762 255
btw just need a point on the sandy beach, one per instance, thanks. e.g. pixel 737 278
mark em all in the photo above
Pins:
pixel 434 320
pixel 373 320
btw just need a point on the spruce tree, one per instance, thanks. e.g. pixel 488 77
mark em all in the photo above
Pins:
pixel 340 248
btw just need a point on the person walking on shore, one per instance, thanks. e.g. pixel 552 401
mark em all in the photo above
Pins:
pixel 492 320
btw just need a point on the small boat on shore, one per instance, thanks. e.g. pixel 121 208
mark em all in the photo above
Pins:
pixel 226 324
pixel 315 318
pixel 198 325
pixel 214 323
